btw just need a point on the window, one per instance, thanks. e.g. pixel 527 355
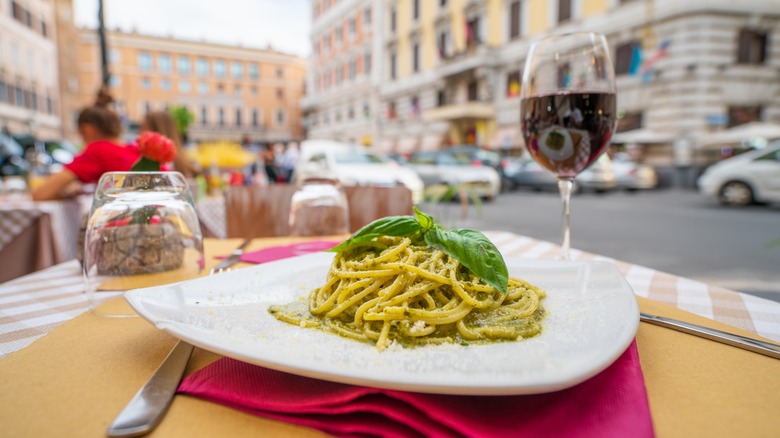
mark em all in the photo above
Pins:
pixel 513 84
pixel 352 69
pixel 113 56
pixel 49 105
pixel 473 31
pixel 204 115
pixel 473 91
pixel 280 116
pixel 441 98
pixel 367 63
pixel 184 86
pixel 416 57
pixel 236 69
pixel 751 47
pixel 739 115
pixel 391 113
pixel 3 92
pixel 366 110
pixel 220 88
pixel 221 116
pixel 392 65
pixel 184 65
pixel 202 67
pixel 238 117
pixel 514 20
pixel 254 71
pixel 415 10
pixel 624 57
pixel 219 68
pixel 443 44
pixel 203 88
pixel 564 10
pixel 145 61
pixel 415 106
pixel 442 3
pixel 337 35
pixel 237 90
pixel 279 93
pixel 164 63
pixel 367 19
pixel 279 72
pixel 351 27
pixel 165 85
pixel 392 19
pixel 115 81
pixel 255 117
pixel 254 91
pixel 44 30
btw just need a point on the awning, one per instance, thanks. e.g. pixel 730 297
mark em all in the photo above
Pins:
pixel 432 142
pixel 643 135
pixel 466 110
pixel 506 138
pixel 406 144
pixel 745 132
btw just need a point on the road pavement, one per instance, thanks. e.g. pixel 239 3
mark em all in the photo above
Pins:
pixel 676 231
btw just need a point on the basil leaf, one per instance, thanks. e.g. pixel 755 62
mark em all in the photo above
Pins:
pixel 426 221
pixel 399 226
pixel 475 251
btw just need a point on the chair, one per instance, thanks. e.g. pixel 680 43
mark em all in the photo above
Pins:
pixel 263 211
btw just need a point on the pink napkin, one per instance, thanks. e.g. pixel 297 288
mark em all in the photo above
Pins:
pixel 611 404
pixel 285 251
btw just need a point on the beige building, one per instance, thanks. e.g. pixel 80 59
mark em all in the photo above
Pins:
pixel 29 80
pixel 232 91
pixel 67 65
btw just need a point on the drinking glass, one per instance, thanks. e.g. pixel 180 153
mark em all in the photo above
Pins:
pixel 567 109
pixel 142 231
pixel 319 208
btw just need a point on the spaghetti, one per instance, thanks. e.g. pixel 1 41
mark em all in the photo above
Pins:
pixel 391 290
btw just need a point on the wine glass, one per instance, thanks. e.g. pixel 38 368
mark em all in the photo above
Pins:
pixel 319 208
pixel 567 109
pixel 142 231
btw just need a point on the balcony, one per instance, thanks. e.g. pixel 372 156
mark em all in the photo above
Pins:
pixel 460 111
pixel 480 55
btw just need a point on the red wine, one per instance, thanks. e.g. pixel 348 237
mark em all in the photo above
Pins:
pixel 567 132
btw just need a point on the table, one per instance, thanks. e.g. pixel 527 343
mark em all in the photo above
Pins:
pixel 695 386
pixel 36 235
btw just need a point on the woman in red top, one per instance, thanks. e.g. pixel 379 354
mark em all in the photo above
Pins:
pixel 100 129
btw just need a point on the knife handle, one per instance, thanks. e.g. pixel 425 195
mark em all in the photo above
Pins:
pixel 150 403
pixel 735 340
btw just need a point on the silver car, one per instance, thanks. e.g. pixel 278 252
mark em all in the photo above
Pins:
pixel 748 178
pixel 443 169
pixel 525 172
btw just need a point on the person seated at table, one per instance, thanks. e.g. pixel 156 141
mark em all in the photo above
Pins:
pixel 100 129
pixel 163 123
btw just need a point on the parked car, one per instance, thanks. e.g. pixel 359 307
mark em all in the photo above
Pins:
pixel 525 172
pixel 479 157
pixel 749 178
pixel 353 166
pixel 446 169
pixel 632 176
pixel 12 160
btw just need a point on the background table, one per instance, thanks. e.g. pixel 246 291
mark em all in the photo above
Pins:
pixel 80 374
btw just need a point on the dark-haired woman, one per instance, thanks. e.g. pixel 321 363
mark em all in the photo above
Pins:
pixel 100 128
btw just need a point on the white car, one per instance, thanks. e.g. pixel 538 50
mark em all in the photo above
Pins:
pixel 751 177
pixel 441 168
pixel 354 166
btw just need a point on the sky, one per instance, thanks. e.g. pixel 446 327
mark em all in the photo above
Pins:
pixel 284 24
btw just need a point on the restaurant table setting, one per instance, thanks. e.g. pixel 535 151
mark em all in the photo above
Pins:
pixel 82 369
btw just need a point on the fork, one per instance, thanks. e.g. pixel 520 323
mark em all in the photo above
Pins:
pixel 148 406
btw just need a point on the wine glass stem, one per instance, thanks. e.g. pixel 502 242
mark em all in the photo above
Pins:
pixel 565 186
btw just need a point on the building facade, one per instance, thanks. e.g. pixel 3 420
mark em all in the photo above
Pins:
pixel 29 80
pixel 341 102
pixel 450 70
pixel 232 91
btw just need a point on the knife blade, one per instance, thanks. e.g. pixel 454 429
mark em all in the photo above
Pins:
pixel 151 402
pixel 233 258
pixel 735 340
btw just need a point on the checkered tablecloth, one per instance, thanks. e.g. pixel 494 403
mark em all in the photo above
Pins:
pixel 33 305
pixel 14 222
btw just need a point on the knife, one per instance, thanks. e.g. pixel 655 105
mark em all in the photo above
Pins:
pixel 232 259
pixel 151 402
pixel 750 344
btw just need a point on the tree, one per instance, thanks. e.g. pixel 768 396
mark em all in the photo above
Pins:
pixel 184 118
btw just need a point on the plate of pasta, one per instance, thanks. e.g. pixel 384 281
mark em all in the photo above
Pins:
pixel 577 318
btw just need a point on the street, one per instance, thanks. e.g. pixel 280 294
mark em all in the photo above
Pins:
pixel 676 231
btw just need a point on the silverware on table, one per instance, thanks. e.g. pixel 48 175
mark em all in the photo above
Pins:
pixel 148 407
pixel 754 345
pixel 151 402
pixel 232 259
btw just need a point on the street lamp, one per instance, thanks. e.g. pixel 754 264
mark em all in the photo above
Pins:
pixel 106 75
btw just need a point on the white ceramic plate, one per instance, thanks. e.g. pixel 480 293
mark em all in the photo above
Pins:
pixel 593 317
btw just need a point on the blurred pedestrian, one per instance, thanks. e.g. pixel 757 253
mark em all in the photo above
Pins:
pixel 290 160
pixel 163 122
pixel 269 161
pixel 100 129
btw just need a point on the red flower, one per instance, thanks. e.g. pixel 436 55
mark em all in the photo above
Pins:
pixel 156 147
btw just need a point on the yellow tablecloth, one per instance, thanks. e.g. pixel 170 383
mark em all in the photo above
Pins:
pixel 74 381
